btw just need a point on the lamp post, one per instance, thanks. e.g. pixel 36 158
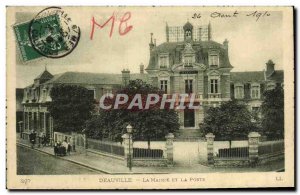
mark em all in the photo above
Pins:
pixel 129 162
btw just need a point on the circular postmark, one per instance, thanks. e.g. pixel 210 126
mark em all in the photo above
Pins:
pixel 53 34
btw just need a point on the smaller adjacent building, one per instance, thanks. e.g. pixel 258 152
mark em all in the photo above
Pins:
pixel 249 86
pixel 36 96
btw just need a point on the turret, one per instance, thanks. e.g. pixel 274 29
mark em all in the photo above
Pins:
pixel 188 31
pixel 151 44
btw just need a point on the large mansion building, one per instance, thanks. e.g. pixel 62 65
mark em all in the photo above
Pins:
pixel 188 62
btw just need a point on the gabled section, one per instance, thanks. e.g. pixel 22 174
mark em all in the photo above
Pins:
pixel 43 77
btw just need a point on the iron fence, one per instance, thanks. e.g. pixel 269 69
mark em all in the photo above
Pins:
pixel 147 153
pixel 271 147
pixel 240 152
pixel 106 147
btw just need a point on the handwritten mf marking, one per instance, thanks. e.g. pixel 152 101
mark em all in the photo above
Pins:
pixel 123 26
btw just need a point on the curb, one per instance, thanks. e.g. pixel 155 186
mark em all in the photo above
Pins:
pixel 90 167
pixel 72 161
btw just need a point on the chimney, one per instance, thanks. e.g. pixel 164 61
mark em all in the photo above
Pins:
pixel 167 32
pixel 225 44
pixel 125 76
pixel 209 31
pixel 270 68
pixel 141 68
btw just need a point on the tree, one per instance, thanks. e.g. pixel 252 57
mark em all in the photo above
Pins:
pixel 230 121
pixel 70 107
pixel 273 113
pixel 148 124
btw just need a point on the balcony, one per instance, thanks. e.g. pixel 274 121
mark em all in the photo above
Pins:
pixel 214 96
pixel 198 97
pixel 164 67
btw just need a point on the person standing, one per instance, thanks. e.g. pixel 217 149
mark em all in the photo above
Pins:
pixel 55 148
pixel 32 137
pixel 69 149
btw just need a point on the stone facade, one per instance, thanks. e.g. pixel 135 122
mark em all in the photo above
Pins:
pixel 191 65
pixel 203 67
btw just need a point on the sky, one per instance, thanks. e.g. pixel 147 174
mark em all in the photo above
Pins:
pixel 252 42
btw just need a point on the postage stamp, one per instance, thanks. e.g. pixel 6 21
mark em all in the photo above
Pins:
pixel 150 97
pixel 22 36
pixel 51 33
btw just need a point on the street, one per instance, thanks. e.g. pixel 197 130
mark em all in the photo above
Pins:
pixel 32 162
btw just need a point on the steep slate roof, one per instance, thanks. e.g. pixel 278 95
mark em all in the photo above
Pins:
pixel 277 76
pixel 245 77
pixel 255 76
pixel 171 47
pixel 92 78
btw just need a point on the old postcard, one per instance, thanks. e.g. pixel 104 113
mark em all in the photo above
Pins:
pixel 150 97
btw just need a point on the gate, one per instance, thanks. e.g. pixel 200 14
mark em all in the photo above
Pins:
pixel 76 140
pixel 80 141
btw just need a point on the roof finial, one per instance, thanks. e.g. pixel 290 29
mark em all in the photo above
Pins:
pixel 45 67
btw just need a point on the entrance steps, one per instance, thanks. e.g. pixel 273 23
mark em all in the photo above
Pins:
pixel 188 134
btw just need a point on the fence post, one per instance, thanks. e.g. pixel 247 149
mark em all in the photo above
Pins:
pixel 253 142
pixel 169 148
pixel 127 139
pixel 73 141
pixel 210 148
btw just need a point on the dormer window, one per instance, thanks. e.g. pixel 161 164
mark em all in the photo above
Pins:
pixel 188 35
pixel 189 60
pixel 44 93
pixel 239 91
pixel 213 60
pixel 164 61
pixel 271 86
pixel 255 91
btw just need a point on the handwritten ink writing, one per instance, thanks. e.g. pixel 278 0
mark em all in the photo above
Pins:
pixel 122 23
pixel 196 16
pixel 259 15
pixel 223 15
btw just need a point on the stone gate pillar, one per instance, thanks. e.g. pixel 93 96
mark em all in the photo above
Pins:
pixel 169 148
pixel 127 143
pixel 210 148
pixel 253 141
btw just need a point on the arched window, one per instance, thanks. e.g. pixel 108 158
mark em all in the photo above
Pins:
pixel 188 34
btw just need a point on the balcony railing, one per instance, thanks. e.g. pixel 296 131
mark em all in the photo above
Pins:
pixel 214 95
pixel 198 97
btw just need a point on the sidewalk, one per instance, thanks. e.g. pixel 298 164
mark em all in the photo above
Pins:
pixel 109 166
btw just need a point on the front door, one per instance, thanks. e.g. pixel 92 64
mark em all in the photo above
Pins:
pixel 189 118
